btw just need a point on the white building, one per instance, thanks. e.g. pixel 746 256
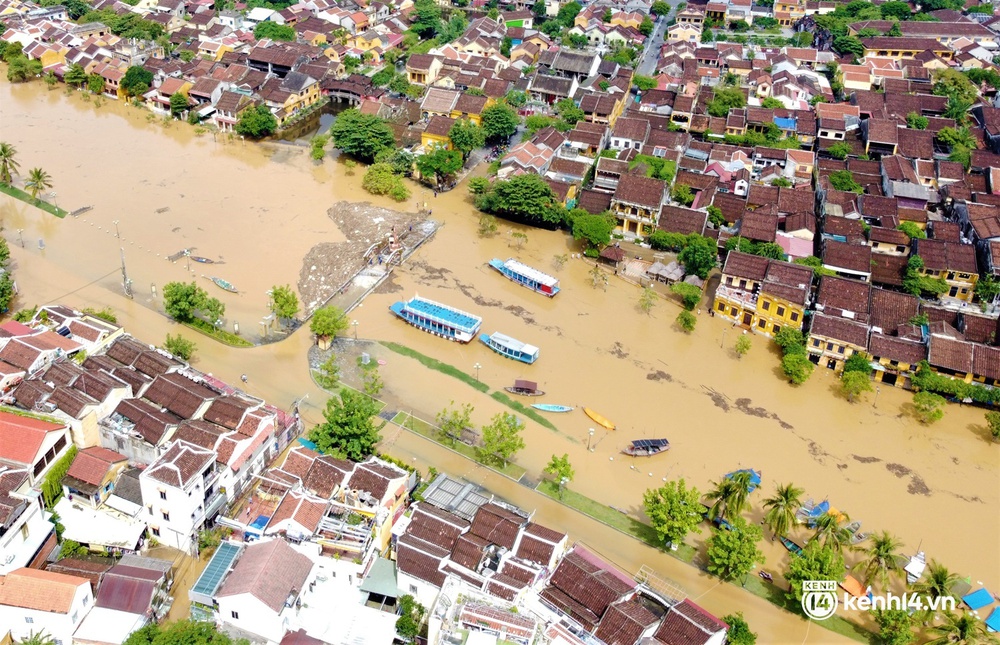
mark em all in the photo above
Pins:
pixel 24 527
pixel 33 601
pixel 178 490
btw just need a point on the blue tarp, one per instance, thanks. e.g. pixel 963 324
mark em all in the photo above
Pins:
pixel 308 444
pixel 754 478
pixel 978 599
pixel 993 622
pixel 784 124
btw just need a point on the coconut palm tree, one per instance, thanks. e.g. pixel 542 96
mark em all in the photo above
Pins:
pixel 882 558
pixel 744 484
pixel 964 629
pixel 725 497
pixel 781 509
pixel 938 582
pixel 831 531
pixel 38 181
pixel 37 638
pixel 8 162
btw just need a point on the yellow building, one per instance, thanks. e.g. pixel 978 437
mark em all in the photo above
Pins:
pixel 470 107
pixel 287 96
pixel 953 262
pixel 436 134
pixel 213 50
pixel 896 357
pixel 92 475
pixel 636 204
pixel 763 295
pixel 832 340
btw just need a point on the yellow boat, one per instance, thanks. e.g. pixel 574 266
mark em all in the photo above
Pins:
pixel 599 419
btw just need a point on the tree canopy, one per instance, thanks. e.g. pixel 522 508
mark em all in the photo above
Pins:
pixel 674 510
pixel 284 302
pixel 527 198
pixel 699 255
pixel 348 429
pixel 466 136
pixel 137 81
pixel 184 301
pixel 499 122
pixel 328 322
pixel 361 135
pixel 181 632
pixel 501 439
pixel 439 164
pixel 256 122
pixel 733 553
pixel 726 98
pixel 815 563
pixel 274 31
pixel 595 229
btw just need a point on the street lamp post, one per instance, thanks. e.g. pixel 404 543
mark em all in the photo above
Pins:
pixel 590 438
pixel 117 233
pixel 20 236
pixel 355 324
pixel 877 390
pixel 562 485
pixel 477 367
pixel 722 343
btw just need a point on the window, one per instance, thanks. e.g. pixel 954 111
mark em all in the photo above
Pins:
pixel 86 600
pixel 733 311
pixel 74 617
pixel 413 588
pixel 766 306
pixel 815 342
pixel 776 329
pixel 29 619
pixel 781 311
pixel 155 531
pixel 235 614
pixel 166 515
pixel 721 307
pixel 743 284
pixel 24 532
pixel 900 249
pixel 829 347
pixel 795 316
pixel 163 494
pixel 150 509
pixel 762 323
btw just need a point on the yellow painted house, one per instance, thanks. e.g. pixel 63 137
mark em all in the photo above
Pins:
pixel 897 357
pixel 213 50
pixel 832 340
pixel 763 295
pixel 287 96
pixel 953 262
pixel 469 106
pixel 436 134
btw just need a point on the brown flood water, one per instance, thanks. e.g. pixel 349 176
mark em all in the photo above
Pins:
pixel 261 208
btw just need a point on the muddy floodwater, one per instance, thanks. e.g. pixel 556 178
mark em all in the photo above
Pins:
pixel 261 209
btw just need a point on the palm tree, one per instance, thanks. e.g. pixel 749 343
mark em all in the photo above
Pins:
pixel 38 181
pixel 744 485
pixel 37 638
pixel 881 558
pixel 831 532
pixel 938 583
pixel 8 163
pixel 964 629
pixel 957 109
pixel 781 509
pixel 724 499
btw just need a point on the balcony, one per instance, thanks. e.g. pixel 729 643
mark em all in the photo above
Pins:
pixel 215 504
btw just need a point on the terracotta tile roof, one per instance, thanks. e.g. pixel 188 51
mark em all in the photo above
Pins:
pixel 677 219
pixel 270 572
pixel 594 201
pixel 888 236
pixel 837 295
pixel 497 524
pixel 951 231
pixel 374 477
pixel 202 433
pixel 986 361
pixel 787 281
pixel 896 349
pixel 439 126
pixel 91 465
pixel 523 572
pixel 744 265
pixel 40 590
pixel 468 551
pixel 890 309
pixel 759 225
pixel 180 464
pixel 948 353
pixel 150 422
pixel 92 571
pixel 420 559
pixel 852 257
pixel 19 353
pixel 796 200
pixel 980 329
pixel 947 256
pixel 227 411
pixel 504 587
pixel 126 594
pixel 538 543
pixel 304 509
pixel 588 584
pixel 22 437
pixel 624 623
pixel 888 269
pixel 327 475
pixel 840 329
pixel 299 461
pixel 436 526
pixel 688 624
pixel 178 394
pixel 762 195
pixel 850 229
pixel 643 191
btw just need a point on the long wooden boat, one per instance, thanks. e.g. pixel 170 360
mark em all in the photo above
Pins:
pixel 438 319
pixel 599 419
pixel 526 276
pixel 510 347
pixel 647 447
pixel 552 407
pixel 792 547
pixel 524 388
pixel 198 258
pixel 224 284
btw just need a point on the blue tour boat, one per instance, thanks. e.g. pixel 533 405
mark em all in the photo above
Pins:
pixel 510 347
pixel 526 276
pixel 440 320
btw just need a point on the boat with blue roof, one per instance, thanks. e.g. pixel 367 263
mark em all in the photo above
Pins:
pixel 526 276
pixel 438 319
pixel 510 347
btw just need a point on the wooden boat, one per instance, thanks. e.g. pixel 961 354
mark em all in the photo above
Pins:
pixel 224 284
pixel 510 347
pixel 524 388
pixel 792 547
pixel 600 420
pixel 198 258
pixel 438 319
pixel 551 407
pixel 647 447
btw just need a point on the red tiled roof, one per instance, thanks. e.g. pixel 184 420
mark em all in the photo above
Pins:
pixel 269 571
pixel 22 437
pixel 40 590
pixel 951 354
pixel 91 465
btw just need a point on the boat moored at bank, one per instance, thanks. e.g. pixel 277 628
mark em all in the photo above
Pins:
pixel 526 276
pixel 438 319
pixel 510 347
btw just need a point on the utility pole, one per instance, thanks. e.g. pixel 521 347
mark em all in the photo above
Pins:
pixel 126 283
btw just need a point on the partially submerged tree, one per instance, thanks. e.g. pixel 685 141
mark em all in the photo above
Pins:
pixel 501 439
pixel 348 429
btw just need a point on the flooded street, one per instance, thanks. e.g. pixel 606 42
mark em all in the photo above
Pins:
pixel 260 209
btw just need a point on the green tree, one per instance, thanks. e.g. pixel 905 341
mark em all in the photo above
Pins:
pixel 439 164
pixel 960 629
pixel 527 198
pixel 797 367
pixel 38 181
pixel 987 289
pixel 256 122
pixel 952 83
pixel 993 421
pixel 361 135
pixel 743 344
pixel 673 510
pixel 647 299
pixel 715 216
pixel 181 632
pixel 659 8
pixel 790 340
pixel 107 314
pixel 782 507
pixel 20 69
pixel 848 45
pixel 426 18
pixel 381 179
pixel 844 180
pixel 881 559
pixel 179 346
pixel 95 83
pixel 686 321
pixel 178 103
pixel 499 122
pixel 644 83
pixel 646 26
pixel 772 103
pixel 831 531
pixel 857 362
pixel 729 496
pixel 40 637
pixel 916 121
pixel 8 162
pixel 690 295
pixel 957 137
pixel 699 255
pixel 328 372
pixel 501 439
pixel 284 302
pixel 75 75
pixel 371 381
pixel 451 422
pixel 816 563
pixel 895 626
pixel 853 384
pixel 911 230
pixel 137 81
pixel 682 194
pixel 569 112
pixel 594 229
pixel 928 407
pixel 725 99
pixel 348 429
pixel 51 486
pixel 487 225
pixel 411 616
pixel 733 553
pixel 839 150
pixel 318 147
pixel 466 136
pixel 561 471
pixel 183 301
pixel 739 631
pixel 328 322
pixel 598 278
pixel 567 13
pixel 273 31
pixel 6 291
pixel 938 582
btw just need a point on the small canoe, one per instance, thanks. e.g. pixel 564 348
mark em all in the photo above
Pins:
pixel 224 284
pixel 198 258
pixel 551 407
pixel 792 547
pixel 647 447
pixel 603 421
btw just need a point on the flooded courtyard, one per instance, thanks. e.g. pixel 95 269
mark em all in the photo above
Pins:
pixel 259 211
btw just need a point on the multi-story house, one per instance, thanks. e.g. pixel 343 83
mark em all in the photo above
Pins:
pixel 26 534
pixel 32 444
pixel 737 293
pixel 92 475
pixel 180 490
pixel 783 298
pixel 832 340
pixel 34 601
pixel 951 261
pixel 636 204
